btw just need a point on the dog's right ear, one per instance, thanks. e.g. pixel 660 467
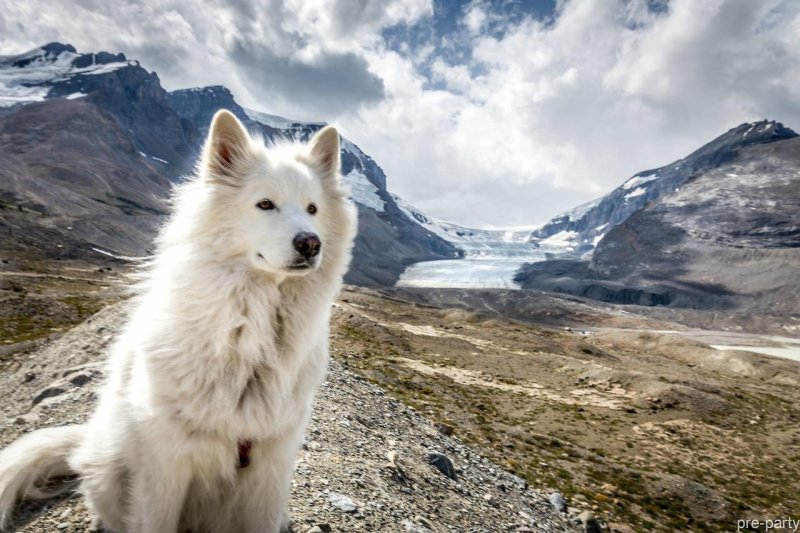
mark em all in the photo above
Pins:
pixel 227 144
pixel 323 151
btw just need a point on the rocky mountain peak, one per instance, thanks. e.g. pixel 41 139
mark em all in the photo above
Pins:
pixel 584 226
pixel 762 130
pixel 56 48
pixel 58 70
pixel 100 58
pixel 199 104
pixel 48 53
pixel 725 147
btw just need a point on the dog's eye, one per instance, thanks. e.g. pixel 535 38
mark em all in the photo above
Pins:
pixel 311 209
pixel 265 205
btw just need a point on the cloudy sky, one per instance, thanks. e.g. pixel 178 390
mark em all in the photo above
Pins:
pixel 493 113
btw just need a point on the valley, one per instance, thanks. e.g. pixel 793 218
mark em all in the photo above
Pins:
pixel 625 415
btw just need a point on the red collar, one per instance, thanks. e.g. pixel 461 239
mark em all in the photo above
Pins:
pixel 244 453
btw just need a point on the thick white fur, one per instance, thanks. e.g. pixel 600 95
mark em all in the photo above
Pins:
pixel 224 344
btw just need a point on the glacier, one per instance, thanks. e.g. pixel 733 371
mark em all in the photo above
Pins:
pixel 492 256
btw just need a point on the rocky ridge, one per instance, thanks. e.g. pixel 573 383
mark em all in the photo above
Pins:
pixel 90 145
pixel 585 225
pixel 727 239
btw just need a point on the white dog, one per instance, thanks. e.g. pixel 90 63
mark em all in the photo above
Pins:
pixel 210 384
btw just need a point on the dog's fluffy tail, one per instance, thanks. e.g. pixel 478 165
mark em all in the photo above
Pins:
pixel 27 464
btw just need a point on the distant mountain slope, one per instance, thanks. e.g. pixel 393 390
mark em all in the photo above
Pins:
pixel 90 144
pixel 492 257
pixel 585 225
pixel 728 238
pixel 77 183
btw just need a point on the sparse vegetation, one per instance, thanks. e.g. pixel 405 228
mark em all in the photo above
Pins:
pixel 38 300
pixel 619 423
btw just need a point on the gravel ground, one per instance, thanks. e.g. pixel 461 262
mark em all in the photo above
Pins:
pixel 366 465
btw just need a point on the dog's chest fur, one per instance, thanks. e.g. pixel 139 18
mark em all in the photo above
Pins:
pixel 257 377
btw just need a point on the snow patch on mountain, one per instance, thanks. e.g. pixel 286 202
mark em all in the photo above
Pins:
pixel 273 121
pixel 95 70
pixel 347 146
pixel 12 94
pixel 362 191
pixel 639 180
pixel 566 240
pixel 638 191
pixel 28 77
pixel 578 212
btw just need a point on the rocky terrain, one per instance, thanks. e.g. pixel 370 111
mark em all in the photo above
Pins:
pixel 370 463
pixel 649 431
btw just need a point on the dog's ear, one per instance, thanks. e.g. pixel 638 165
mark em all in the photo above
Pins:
pixel 228 143
pixel 323 152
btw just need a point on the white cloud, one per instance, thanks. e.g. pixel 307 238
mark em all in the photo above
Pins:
pixel 475 17
pixel 559 114
pixel 302 57
pixel 539 118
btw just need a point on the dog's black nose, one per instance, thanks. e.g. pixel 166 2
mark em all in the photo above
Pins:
pixel 307 244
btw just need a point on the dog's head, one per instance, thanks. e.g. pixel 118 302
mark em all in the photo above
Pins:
pixel 275 203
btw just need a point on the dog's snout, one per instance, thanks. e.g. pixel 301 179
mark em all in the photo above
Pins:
pixel 307 244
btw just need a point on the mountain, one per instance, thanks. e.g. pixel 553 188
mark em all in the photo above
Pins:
pixel 493 258
pixel 585 225
pixel 388 241
pixel 90 145
pixel 727 238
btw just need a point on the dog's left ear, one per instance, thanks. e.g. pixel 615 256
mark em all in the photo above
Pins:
pixel 227 144
pixel 323 152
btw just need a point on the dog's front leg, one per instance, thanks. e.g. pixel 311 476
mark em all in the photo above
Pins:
pixel 264 487
pixel 159 486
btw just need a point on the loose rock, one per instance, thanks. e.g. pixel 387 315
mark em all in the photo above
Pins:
pixel 342 502
pixel 411 527
pixel 443 464
pixel 589 522
pixel 558 502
